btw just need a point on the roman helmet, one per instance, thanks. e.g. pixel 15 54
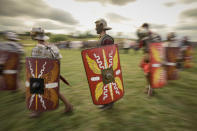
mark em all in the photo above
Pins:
pixel 101 25
pixel 38 34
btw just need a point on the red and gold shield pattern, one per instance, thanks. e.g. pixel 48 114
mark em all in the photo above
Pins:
pixel 104 74
pixel 157 71
pixel 10 65
pixel 47 72
pixel 172 54
pixel 188 53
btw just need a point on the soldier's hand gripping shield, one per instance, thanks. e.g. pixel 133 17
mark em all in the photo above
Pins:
pixel 9 68
pixel 104 74
pixel 157 70
pixel 172 57
pixel 42 83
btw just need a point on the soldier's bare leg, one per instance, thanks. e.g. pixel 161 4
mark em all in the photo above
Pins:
pixel 35 114
pixel 149 89
pixel 147 85
pixel 68 106
pixel 20 83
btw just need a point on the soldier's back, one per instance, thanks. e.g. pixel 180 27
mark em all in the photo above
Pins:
pixel 43 51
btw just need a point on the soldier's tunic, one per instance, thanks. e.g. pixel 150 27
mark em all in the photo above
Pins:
pixel 145 65
pixel 106 40
pixel 43 51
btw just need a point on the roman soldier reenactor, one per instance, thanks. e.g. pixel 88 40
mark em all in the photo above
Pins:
pixel 173 56
pixel 104 39
pixel 11 53
pixel 187 52
pixel 101 28
pixel 103 70
pixel 153 58
pixel 43 74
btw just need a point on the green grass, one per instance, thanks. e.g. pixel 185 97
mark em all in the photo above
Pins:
pixel 173 108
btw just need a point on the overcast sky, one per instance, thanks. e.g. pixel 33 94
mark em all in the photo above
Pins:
pixel 75 16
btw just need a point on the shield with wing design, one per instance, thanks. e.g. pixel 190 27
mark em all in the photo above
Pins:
pixel 42 83
pixel 9 67
pixel 104 74
pixel 172 54
pixel 157 71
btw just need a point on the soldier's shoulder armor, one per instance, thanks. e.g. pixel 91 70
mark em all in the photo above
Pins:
pixel 54 48
pixel 107 40
pixel 2 46
pixel 107 37
pixel 9 46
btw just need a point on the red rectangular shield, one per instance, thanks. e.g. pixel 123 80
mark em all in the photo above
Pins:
pixel 104 74
pixel 42 83
pixel 157 71
pixel 9 70
pixel 172 54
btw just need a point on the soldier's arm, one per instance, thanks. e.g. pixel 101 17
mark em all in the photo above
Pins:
pixel 55 51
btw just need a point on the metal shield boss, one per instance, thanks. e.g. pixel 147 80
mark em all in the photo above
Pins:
pixel 104 74
pixel 188 54
pixel 157 71
pixel 172 55
pixel 42 83
pixel 9 65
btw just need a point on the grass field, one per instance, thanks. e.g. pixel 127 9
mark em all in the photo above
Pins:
pixel 173 108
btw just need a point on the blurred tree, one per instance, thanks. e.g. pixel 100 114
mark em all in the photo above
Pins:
pixel 58 37
pixel 27 33
pixel 86 34
pixel 48 34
